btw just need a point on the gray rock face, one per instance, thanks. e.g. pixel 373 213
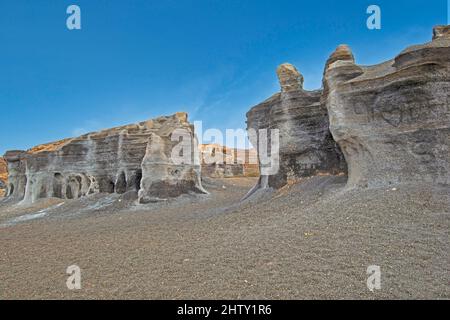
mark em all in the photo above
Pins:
pixel 392 120
pixel 306 146
pixel 17 179
pixel 114 160
pixel 162 176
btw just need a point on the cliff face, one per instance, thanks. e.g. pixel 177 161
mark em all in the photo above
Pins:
pixel 306 146
pixel 392 120
pixel 3 176
pixel 113 160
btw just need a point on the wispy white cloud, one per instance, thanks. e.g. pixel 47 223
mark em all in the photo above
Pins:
pixel 79 131
pixel 86 127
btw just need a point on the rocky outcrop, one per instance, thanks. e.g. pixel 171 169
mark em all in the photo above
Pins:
pixel 3 176
pixel 116 160
pixel 306 146
pixel 162 175
pixel 16 174
pixel 392 120
pixel 441 31
pixel 223 162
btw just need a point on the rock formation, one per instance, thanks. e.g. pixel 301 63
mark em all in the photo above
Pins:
pixel 16 174
pixel 306 146
pixel 3 176
pixel 220 161
pixel 392 120
pixel 136 157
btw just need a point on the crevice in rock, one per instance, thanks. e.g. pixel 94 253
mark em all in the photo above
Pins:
pixel 138 178
pixel 121 183
pixel 69 194
pixel 58 185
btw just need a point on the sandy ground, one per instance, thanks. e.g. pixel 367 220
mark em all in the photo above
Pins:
pixel 280 245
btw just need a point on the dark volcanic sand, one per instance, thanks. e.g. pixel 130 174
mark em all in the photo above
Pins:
pixel 283 245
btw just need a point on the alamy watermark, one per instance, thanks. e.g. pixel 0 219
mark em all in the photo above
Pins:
pixel 74 280
pixel 266 141
pixel 374 20
pixel 73 22
pixel 374 279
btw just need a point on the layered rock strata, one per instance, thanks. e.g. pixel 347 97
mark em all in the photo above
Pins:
pixel 392 120
pixel 116 160
pixel 306 146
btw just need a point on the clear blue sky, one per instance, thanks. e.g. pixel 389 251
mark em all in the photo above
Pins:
pixel 137 59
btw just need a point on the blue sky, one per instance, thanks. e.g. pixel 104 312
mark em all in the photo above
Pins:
pixel 137 59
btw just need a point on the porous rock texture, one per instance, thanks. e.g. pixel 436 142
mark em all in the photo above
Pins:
pixel 223 162
pixel 132 158
pixel 306 146
pixel 392 120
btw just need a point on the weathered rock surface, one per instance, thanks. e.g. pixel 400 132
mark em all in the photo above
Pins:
pixel 16 174
pixel 392 120
pixel 441 31
pixel 3 176
pixel 219 161
pixel 162 176
pixel 116 160
pixel 306 146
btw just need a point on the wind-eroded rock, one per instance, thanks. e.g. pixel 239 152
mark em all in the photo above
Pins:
pixel 114 160
pixel 164 175
pixel 289 77
pixel 3 176
pixel 392 120
pixel 306 146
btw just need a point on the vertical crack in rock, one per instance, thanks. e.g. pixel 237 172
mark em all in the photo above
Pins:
pixel 116 160
pixel 392 120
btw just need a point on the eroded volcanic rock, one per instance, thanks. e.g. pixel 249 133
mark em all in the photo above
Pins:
pixel 162 176
pixel 306 146
pixel 116 160
pixel 392 120
pixel 3 176
pixel 17 180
